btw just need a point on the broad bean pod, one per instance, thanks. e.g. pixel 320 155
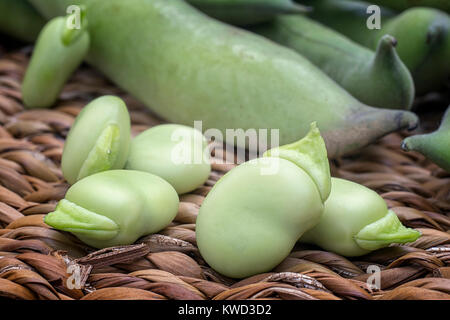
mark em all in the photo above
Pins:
pixel 376 78
pixel 227 77
pixel 423 36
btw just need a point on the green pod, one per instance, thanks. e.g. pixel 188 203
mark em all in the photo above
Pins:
pixel 356 221
pixel 176 153
pixel 20 20
pixel 58 52
pixel 247 12
pixel 376 78
pixel 423 36
pixel 229 78
pixel 115 208
pixel 253 216
pixel 435 146
pixel 402 5
pixel 99 139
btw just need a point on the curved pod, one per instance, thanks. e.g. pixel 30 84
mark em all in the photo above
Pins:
pixel 376 78
pixel 423 36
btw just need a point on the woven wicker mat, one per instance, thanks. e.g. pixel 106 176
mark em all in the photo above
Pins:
pixel 37 262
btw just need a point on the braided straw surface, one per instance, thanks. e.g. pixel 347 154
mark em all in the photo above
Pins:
pixel 35 260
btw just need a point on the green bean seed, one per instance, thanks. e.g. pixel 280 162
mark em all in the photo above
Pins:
pixel 176 153
pixel 115 207
pixel 253 216
pixel 98 140
pixel 58 52
pixel 356 221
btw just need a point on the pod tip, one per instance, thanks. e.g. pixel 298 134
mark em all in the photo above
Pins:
pixel 389 41
pixel 405 145
pixel 412 121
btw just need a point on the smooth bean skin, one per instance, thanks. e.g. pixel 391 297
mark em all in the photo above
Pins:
pixel 249 222
pixel 115 207
pixel 376 78
pixel 247 12
pixel 356 221
pixel 52 63
pixel 251 219
pixel 435 146
pixel 229 78
pixel 176 153
pixel 20 20
pixel 99 139
pixel 423 36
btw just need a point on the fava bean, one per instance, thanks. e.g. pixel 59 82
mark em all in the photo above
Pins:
pixel 58 52
pixel 253 216
pixel 115 208
pixel 98 140
pixel 176 153
pixel 356 221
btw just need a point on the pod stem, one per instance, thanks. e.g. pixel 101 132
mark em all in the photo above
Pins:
pixel 310 154
pixel 70 217
pixel 73 31
pixel 385 231
pixel 386 53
